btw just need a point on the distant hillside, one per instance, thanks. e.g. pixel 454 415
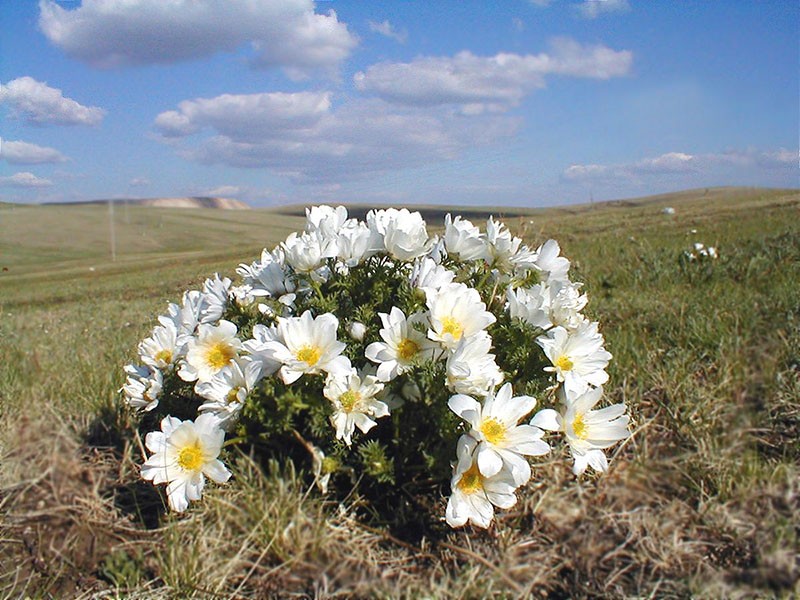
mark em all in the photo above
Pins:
pixel 188 202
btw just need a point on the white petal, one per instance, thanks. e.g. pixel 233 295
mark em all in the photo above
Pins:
pixel 467 408
pixel 547 419
pixel 489 461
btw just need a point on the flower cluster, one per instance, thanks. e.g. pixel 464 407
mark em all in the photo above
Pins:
pixel 375 345
pixel 701 252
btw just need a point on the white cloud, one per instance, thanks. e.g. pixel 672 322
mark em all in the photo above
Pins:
pixel 681 164
pixel 24 153
pixel 24 180
pixel 246 116
pixel 139 182
pixel 386 29
pixel 492 83
pixel 41 104
pixel 591 9
pixel 541 3
pixel 282 33
pixel 303 137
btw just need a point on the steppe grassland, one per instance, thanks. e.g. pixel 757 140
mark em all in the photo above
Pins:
pixel 702 500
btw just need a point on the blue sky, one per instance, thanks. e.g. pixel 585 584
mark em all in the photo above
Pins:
pixel 522 102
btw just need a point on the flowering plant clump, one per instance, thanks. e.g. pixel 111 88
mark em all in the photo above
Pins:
pixel 407 364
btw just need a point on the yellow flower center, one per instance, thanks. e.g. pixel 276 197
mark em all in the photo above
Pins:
pixel 471 480
pixel 349 399
pixel 233 395
pixel 579 427
pixel 493 431
pixel 190 458
pixel 309 355
pixel 219 355
pixel 407 349
pixel 564 363
pixel 453 327
pixel 164 356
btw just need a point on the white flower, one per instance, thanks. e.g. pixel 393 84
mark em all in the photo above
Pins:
pixel 215 299
pixel 474 495
pixel 402 347
pixel 184 454
pixel 401 233
pixel 268 277
pixel 463 239
pixel 306 252
pixel 242 295
pixel 142 387
pixel 185 317
pixel 308 345
pixel 505 252
pixel 213 349
pixel 471 369
pixel 161 350
pixel 578 357
pixel 354 403
pixel 566 303
pixel 426 273
pixel 356 330
pixel 502 443
pixel 456 311
pixel 260 348
pixel 226 392
pixel 587 431
pixel 549 263
pixel 327 219
pixel 352 243
pixel 530 304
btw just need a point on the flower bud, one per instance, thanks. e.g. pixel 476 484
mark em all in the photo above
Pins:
pixel 357 330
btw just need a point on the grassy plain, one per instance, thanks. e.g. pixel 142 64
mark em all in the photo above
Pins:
pixel 703 500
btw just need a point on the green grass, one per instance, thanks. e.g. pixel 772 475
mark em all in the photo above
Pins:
pixel 702 501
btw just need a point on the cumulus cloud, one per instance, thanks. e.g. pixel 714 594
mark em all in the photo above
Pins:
pixel 591 9
pixel 24 153
pixel 281 33
pixel 387 29
pixel 494 83
pixel 680 163
pixel 302 135
pixel 24 180
pixel 40 104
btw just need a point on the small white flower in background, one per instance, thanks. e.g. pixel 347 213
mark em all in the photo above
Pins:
pixel 668 210
pixel 184 454
pixel 501 442
pixel 426 273
pixel 242 295
pixel 402 347
pixel 215 299
pixel 226 392
pixel 578 357
pixel 588 431
pixel 321 476
pixel 456 311
pixel 213 349
pixel 712 252
pixel 356 330
pixel 354 402
pixel 161 350
pixel 142 387
pixel 473 495
pixel 308 345
pixel 405 236
pixel 471 368
pixel 463 239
